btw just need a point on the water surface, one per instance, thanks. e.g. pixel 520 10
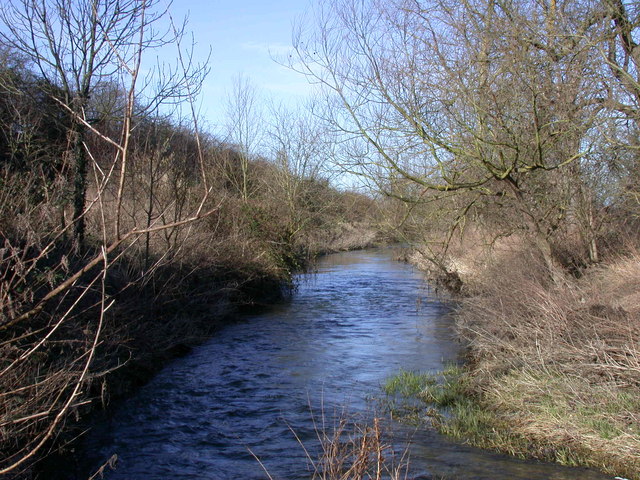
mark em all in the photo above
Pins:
pixel 357 321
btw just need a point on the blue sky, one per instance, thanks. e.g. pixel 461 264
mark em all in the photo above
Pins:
pixel 243 36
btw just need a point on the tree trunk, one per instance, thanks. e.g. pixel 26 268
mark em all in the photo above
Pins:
pixel 79 182
pixel 554 269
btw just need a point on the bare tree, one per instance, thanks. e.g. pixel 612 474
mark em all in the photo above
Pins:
pixel 79 47
pixel 76 46
pixel 478 103
pixel 617 42
pixel 244 128
pixel 618 45
pixel 295 140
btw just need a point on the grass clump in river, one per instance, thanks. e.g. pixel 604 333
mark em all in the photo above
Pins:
pixel 408 383
pixel 407 393
pixel 403 393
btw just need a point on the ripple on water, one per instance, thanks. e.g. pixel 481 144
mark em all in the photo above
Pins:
pixel 356 322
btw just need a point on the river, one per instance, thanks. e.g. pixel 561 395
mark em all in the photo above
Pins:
pixel 355 322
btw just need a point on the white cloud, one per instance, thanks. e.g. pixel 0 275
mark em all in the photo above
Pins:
pixel 272 49
pixel 291 88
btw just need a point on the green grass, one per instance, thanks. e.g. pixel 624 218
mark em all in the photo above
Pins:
pixel 415 397
pixel 408 383
pixel 447 402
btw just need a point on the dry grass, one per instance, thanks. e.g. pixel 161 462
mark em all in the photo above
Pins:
pixel 581 327
pixel 354 449
pixel 557 365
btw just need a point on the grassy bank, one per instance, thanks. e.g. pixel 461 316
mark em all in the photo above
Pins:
pixel 552 367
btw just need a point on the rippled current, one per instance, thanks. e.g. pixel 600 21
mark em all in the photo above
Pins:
pixel 356 321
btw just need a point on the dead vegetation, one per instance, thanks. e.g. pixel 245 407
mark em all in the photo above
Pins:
pixel 124 235
pixel 351 447
pixel 555 364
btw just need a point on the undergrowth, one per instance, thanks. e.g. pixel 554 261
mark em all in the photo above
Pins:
pixel 553 367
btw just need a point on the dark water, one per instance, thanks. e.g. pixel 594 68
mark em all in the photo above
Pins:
pixel 359 320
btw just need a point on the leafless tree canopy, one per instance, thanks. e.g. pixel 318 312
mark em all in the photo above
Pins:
pixel 496 106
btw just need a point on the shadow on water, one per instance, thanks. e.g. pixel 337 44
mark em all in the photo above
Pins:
pixel 355 322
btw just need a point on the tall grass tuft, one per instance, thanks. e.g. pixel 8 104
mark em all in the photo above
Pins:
pixel 353 448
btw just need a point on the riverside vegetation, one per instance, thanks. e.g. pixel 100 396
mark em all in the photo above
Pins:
pixel 508 134
pixel 127 233
pixel 552 369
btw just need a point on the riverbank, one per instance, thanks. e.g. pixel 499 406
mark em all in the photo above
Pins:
pixel 142 319
pixel 553 369
pixel 168 326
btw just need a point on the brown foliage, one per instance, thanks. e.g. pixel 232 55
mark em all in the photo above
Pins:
pixel 558 363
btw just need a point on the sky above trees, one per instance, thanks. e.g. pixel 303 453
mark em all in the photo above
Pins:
pixel 244 37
